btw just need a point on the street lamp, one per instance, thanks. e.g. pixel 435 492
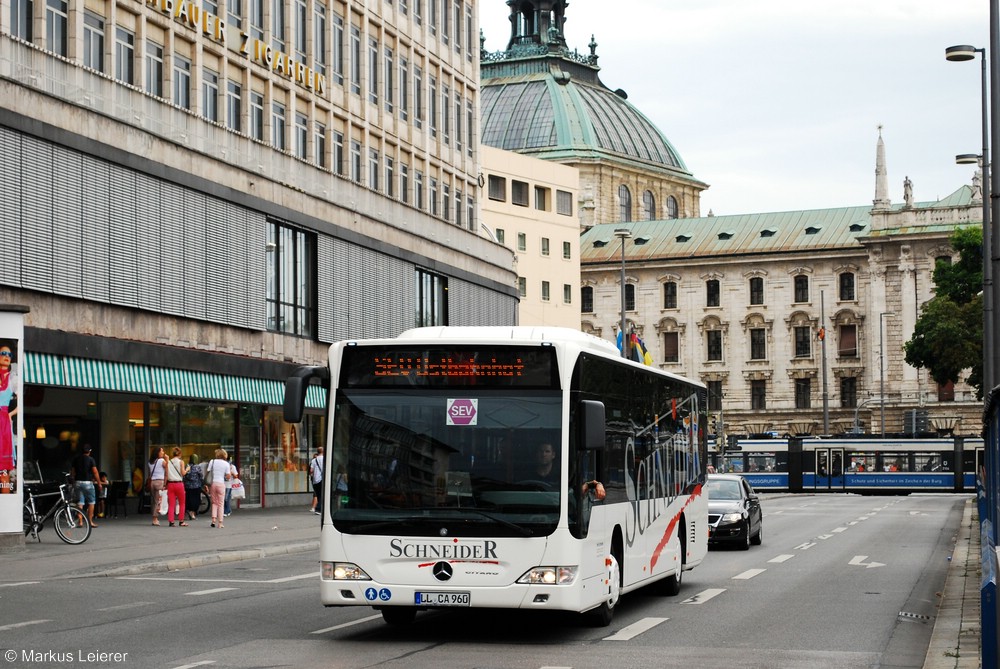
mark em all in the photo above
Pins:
pixel 881 366
pixel 961 53
pixel 623 234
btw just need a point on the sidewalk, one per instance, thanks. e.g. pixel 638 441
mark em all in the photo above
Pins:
pixel 129 546
pixel 132 545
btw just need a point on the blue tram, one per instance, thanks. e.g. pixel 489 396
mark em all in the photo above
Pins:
pixel 867 466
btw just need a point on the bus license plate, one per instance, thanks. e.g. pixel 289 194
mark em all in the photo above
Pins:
pixel 442 598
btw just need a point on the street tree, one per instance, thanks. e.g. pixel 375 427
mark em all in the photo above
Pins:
pixel 948 336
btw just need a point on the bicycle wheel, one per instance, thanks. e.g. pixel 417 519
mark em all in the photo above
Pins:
pixel 71 525
pixel 204 504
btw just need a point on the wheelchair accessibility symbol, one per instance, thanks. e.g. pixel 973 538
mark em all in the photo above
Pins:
pixel 384 594
pixel 371 594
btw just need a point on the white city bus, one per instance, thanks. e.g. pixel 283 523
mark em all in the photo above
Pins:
pixel 438 432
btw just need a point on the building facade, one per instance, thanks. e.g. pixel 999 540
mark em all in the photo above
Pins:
pixel 795 320
pixel 197 197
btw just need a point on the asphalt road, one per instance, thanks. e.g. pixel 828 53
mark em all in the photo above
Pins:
pixel 840 581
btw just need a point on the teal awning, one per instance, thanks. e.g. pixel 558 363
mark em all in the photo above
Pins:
pixel 56 370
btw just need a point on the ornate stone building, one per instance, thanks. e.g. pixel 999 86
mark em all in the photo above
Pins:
pixel 795 320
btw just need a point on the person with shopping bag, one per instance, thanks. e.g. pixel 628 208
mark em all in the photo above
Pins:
pixel 216 477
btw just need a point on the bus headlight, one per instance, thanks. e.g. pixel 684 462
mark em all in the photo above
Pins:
pixel 549 576
pixel 343 571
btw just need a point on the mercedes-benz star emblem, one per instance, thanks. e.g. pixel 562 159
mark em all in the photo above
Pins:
pixel 442 571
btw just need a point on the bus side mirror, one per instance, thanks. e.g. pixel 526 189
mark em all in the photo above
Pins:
pixel 592 425
pixel 295 391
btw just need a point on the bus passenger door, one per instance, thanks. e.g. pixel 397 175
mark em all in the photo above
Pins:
pixel 829 469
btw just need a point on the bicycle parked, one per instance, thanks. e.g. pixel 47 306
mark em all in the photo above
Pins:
pixel 71 523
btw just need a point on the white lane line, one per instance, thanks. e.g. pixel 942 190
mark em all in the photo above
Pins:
pixel 775 512
pixel 748 574
pixel 806 546
pixel 14 626
pixel 133 605
pixel 350 624
pixel 704 596
pixel 198 593
pixel 195 664
pixel 781 558
pixel 294 578
pixel 14 585
pixel 838 530
pixel 635 629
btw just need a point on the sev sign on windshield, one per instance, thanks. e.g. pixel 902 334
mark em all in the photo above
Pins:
pixel 462 411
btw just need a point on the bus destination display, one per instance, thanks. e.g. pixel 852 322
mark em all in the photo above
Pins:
pixel 533 367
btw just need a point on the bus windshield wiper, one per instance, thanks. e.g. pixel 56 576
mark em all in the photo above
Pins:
pixel 523 531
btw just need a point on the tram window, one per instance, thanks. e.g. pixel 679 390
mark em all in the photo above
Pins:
pixel 760 462
pixel 861 462
pixel 931 462
pixel 732 464
pixel 895 462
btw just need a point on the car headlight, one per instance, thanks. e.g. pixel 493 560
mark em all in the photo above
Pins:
pixel 343 571
pixel 549 576
pixel 732 517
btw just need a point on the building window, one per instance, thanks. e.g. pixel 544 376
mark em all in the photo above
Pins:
pixel 715 397
pixel 522 286
pixel 418 190
pixel 498 188
pixel 319 141
pixel 500 234
pixel 446 202
pixel 373 168
pixel 624 204
pixel 404 89
pixel 21 19
pixel 545 291
pixel 545 246
pixel 337 49
pixel 847 286
pixel 670 295
pixel 124 55
pixel 234 106
pixel 541 198
pixel 355 161
pixel 390 176
pixel 803 342
pixel 567 251
pixel 671 347
pixel 93 41
pixel 648 206
pixel 801 288
pixel 373 71
pixel 301 11
pixel 210 94
pixel 432 101
pixel 803 391
pixel 629 297
pixel 404 182
pixel 848 392
pixel 756 290
pixel 672 210
pixel 758 344
pixel 278 125
pixel 432 299
pixel 946 392
pixel 339 162
pixel 257 116
pixel 434 197
pixel 319 38
pixel 847 341
pixel 154 69
pixel 564 203
pixel 713 342
pixel 567 294
pixel 418 97
pixel 445 113
pixel 712 296
pixel 57 26
pixel 182 82
pixel 291 304
pixel 587 300
pixel 522 241
pixel 255 17
pixel 355 60
pixel 758 395
pixel 301 136
pixel 519 193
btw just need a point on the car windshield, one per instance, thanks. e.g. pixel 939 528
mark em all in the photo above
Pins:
pixel 411 468
pixel 727 490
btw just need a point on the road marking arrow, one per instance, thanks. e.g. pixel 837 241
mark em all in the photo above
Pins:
pixel 859 561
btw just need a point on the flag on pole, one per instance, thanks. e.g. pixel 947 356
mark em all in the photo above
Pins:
pixel 639 351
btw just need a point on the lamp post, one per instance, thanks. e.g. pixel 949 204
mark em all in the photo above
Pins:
pixel 623 234
pixel 881 366
pixel 991 368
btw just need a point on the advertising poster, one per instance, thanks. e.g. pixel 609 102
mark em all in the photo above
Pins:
pixel 11 444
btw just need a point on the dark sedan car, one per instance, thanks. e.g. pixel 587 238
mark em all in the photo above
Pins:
pixel 734 515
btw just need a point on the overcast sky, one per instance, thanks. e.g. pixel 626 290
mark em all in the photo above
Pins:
pixel 776 103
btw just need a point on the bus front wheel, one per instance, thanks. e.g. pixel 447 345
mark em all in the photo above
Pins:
pixel 603 614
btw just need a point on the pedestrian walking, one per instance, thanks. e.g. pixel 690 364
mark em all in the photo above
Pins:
pixel 87 480
pixel 316 476
pixel 176 469
pixel 194 479
pixel 233 475
pixel 216 475
pixel 156 479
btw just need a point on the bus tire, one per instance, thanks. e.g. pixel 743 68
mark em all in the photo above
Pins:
pixel 603 614
pixel 398 615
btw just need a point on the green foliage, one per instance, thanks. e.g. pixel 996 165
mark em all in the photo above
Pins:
pixel 948 336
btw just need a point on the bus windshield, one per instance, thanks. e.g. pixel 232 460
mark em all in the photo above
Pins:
pixel 416 459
